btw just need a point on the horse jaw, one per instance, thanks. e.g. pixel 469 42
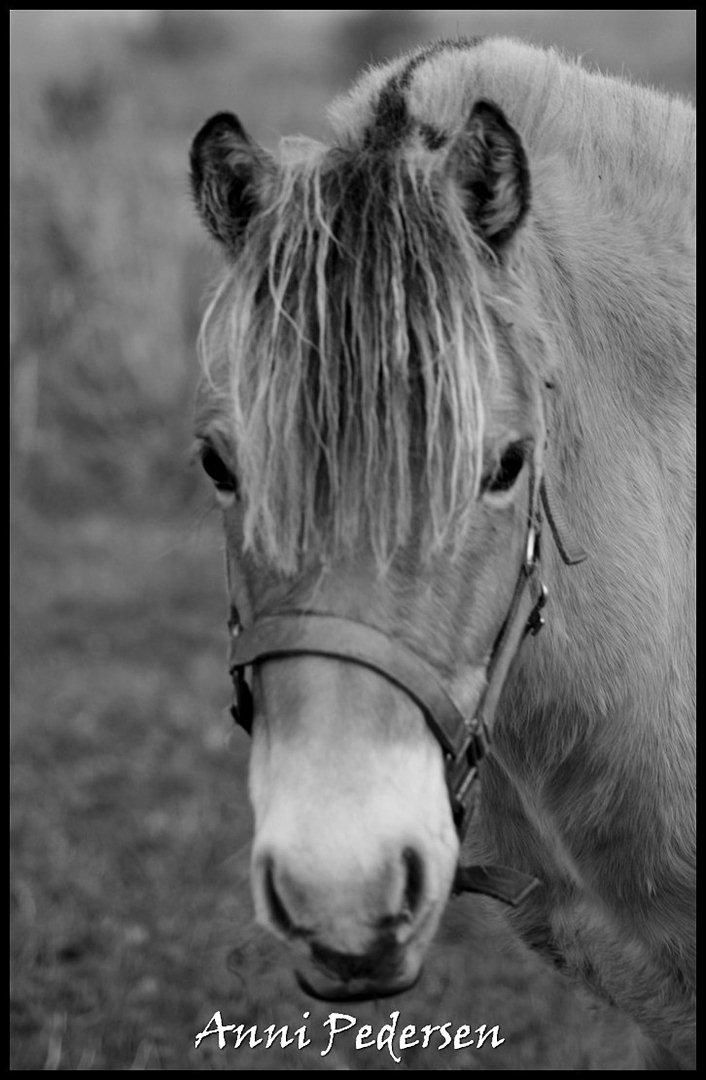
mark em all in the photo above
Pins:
pixel 355 848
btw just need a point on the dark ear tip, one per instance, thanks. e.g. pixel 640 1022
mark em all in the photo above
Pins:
pixel 226 170
pixel 492 151
pixel 488 110
pixel 223 123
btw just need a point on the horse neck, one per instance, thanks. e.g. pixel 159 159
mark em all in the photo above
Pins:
pixel 619 454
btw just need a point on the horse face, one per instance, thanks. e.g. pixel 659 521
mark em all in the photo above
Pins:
pixel 355 847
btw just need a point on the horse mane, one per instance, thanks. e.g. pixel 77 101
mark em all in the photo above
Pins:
pixel 603 126
pixel 348 343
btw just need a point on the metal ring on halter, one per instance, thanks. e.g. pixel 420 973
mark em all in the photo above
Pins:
pixel 531 548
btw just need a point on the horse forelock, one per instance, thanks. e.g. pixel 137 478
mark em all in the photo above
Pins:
pixel 349 346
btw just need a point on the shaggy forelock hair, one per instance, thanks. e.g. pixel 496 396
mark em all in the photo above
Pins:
pixel 348 345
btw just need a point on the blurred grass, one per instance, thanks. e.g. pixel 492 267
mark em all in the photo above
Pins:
pixel 131 914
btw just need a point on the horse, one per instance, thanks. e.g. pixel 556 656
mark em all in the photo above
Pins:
pixel 466 321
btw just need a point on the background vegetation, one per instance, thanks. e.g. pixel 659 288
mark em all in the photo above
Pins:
pixel 132 920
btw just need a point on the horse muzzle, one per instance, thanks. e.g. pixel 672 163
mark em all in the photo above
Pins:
pixel 358 909
pixel 384 959
pixel 381 972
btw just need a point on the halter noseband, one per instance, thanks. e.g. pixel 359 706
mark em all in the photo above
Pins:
pixel 464 741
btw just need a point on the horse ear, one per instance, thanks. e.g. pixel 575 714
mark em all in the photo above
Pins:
pixel 490 165
pixel 227 173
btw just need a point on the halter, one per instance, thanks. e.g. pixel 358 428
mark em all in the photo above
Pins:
pixel 464 740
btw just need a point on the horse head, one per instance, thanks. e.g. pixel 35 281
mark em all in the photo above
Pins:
pixel 371 415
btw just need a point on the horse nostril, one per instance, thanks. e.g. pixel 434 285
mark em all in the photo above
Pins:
pixel 414 888
pixel 278 913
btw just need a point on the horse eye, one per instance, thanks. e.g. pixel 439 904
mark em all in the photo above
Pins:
pixel 218 472
pixel 507 470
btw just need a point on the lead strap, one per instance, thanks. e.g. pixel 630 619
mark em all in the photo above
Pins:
pixel 501 882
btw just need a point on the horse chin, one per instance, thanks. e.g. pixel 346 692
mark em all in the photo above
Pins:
pixel 320 986
pixel 388 969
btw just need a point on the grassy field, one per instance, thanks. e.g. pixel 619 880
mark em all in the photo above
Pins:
pixel 132 921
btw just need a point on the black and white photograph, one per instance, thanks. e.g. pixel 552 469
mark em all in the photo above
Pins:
pixel 352 540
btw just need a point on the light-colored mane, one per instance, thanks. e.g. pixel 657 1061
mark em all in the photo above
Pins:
pixel 605 128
